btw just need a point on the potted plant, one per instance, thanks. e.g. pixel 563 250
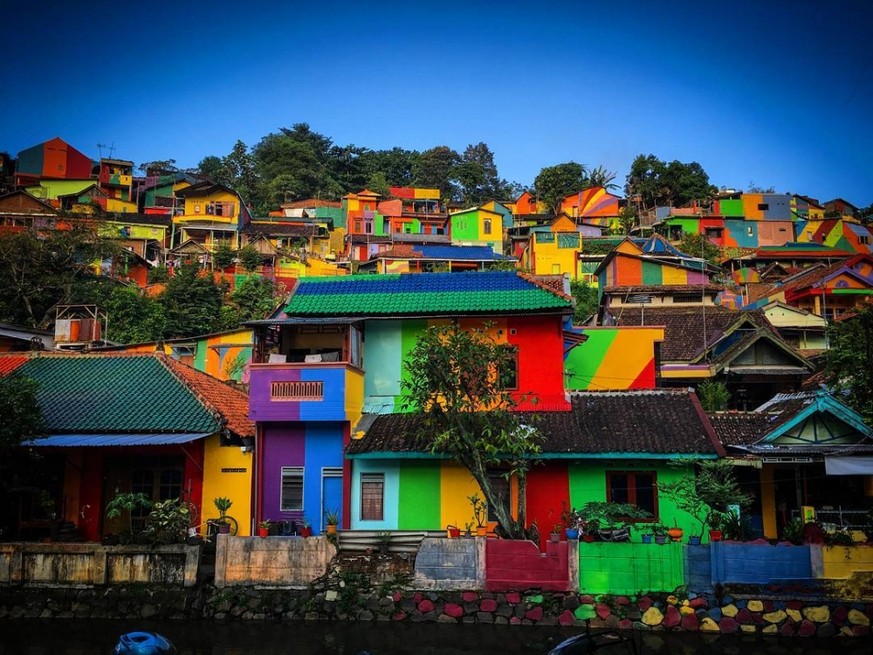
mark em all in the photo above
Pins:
pixel 646 537
pixel 222 504
pixel 675 533
pixel 468 529
pixel 555 534
pixel 331 520
pixel 305 527
pixel 263 528
pixel 168 522
pixel 705 494
pixel 609 521
pixel 571 520
pixel 659 531
pixel 127 502
pixel 453 531
pixel 480 514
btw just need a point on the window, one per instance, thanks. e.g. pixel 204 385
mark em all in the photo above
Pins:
pixel 634 487
pixel 749 230
pixel 357 227
pixel 568 240
pixel 368 227
pixel 863 238
pixel 500 486
pixel 372 496
pixel 763 206
pixel 714 232
pixel 486 226
pixel 292 489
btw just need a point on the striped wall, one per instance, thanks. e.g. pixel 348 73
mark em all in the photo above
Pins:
pixel 634 271
pixel 613 358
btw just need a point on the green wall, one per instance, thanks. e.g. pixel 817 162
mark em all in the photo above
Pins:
pixel 731 207
pixel 420 494
pixel 607 568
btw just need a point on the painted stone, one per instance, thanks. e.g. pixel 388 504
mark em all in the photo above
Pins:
pixel 787 629
pixel 686 611
pixel 625 624
pixel 622 600
pixel 672 618
pixel 715 614
pixel 652 616
pixel 644 603
pixel 794 615
pixel 794 604
pixel 807 629
pixel 566 618
pixel 672 599
pixel 469 596
pixel 729 610
pixel 488 605
pixel 397 596
pixel 418 596
pixel 602 611
pixel 839 615
pixel 535 599
pixel 425 605
pixel 515 620
pixel 861 630
pixel 585 612
pixel 699 603
pixel 846 631
pixel 755 606
pixel 513 598
pixel 399 616
pixel 746 617
pixel 586 600
pixel 690 623
pixel 826 630
pixel 708 625
pixel 727 625
pixel 454 610
pixel 330 595
pixel 857 617
pixel 775 617
pixel 748 628
pixel 770 629
pixel 817 613
pixel 535 614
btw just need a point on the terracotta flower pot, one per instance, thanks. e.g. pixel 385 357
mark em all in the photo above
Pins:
pixel 675 533
pixel 306 532
pixel 331 528
pixel 555 536
pixel 263 532
pixel 454 533
pixel 715 535
pixel 482 531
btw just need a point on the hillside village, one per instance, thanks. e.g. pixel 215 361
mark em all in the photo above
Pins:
pixel 299 412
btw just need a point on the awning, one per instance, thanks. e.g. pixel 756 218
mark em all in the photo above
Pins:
pixel 86 440
pixel 849 465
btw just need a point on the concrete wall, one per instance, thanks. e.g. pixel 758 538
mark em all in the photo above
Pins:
pixel 626 568
pixel 285 561
pixel 841 562
pixel 514 565
pixel 94 564
pixel 758 563
pixel 450 564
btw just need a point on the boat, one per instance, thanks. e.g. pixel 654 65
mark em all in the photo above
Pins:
pixel 144 643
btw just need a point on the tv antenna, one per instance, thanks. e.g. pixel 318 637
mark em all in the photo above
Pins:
pixel 111 149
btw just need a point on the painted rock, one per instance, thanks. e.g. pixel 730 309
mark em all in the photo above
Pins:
pixel 469 596
pixel 689 623
pixel 602 611
pixel 644 603
pixel 775 617
pixel 425 605
pixel 857 617
pixel 794 615
pixel 672 617
pixel 652 616
pixel 488 605
pixel 728 625
pixel 454 610
pixel 755 606
pixel 807 629
pixel 708 625
pixel 535 614
pixel 839 615
pixel 729 610
pixel 585 612
pixel 513 597
pixel 566 618
pixel 817 613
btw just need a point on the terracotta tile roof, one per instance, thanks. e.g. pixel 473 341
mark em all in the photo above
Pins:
pixel 311 203
pixel 231 403
pixel 663 421
pixel 11 362
pixel 282 229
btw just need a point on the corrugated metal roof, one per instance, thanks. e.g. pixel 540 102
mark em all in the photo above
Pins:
pixel 92 440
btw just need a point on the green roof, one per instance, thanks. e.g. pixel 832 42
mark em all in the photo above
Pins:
pixel 115 393
pixel 423 294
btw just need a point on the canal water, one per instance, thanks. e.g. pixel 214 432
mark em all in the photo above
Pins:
pixel 91 637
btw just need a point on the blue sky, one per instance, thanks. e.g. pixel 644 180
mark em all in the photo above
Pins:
pixel 773 92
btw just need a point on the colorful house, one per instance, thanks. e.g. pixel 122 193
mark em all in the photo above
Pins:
pixel 211 214
pixel 527 205
pixel 846 234
pixel 336 351
pixel 830 291
pixel 115 177
pixel 606 446
pixel 739 348
pixel 137 423
pixel 54 159
pixel 593 206
pixel 478 226
pixel 361 215
pixel 412 258
pixel 614 359
pixel 809 450
pixel 20 210
pixel 414 211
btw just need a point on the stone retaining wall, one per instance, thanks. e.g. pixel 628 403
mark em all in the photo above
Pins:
pixel 278 561
pixel 347 602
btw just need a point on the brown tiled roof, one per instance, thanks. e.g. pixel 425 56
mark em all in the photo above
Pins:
pixel 740 428
pixel 231 403
pixel 663 421
pixel 757 290
pixel 282 229
pixel 310 203
pixel 683 326
pixel 553 283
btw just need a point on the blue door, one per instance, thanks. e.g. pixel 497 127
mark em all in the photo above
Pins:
pixel 331 493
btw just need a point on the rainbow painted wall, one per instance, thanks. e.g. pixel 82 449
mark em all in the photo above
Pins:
pixel 614 358
pixel 625 270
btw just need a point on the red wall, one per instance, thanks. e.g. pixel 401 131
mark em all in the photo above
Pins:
pixel 540 343
pixel 548 493
pixel 513 565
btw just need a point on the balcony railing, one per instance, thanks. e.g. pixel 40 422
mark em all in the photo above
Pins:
pixel 304 391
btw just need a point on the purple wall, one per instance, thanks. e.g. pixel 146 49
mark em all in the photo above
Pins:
pixel 284 445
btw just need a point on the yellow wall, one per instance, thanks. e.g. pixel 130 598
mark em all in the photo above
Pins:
pixel 354 396
pixel 456 484
pixel 236 486
pixel 547 256
pixel 202 202
pixel 768 502
pixel 842 562
pixel 120 206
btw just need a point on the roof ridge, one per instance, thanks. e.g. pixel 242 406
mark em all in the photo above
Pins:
pixel 539 282
pixel 208 406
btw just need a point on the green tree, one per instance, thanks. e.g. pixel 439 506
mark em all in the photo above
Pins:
pixel 159 167
pixel 249 257
pixel 554 183
pixel 849 361
pixel 39 269
pixel 435 168
pixel 477 176
pixel 134 316
pixel 457 379
pixel 654 183
pixel 223 255
pixel 252 299
pixel 587 301
pixel 644 182
pixel 698 245
pixel 601 177
pixel 627 220
pixel 192 303
pixel 714 396
pixel 19 407
pixel 398 165
pixel 378 183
